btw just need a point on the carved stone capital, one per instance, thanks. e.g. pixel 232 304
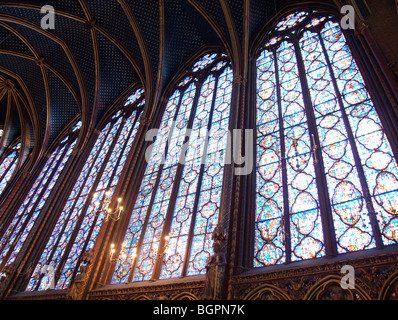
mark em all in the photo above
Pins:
pixel 76 151
pixel 145 120
pixel 360 28
pixel 239 80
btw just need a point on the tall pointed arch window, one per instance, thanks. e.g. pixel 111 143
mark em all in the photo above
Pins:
pixel 177 207
pixel 15 231
pixel 78 225
pixel 8 165
pixel 326 175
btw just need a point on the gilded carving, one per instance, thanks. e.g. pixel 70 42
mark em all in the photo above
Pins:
pixel 375 278
pixel 76 288
pixel 215 265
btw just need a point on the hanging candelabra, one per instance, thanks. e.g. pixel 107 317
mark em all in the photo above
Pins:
pixel 110 214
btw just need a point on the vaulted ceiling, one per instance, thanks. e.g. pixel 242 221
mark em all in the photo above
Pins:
pixel 100 49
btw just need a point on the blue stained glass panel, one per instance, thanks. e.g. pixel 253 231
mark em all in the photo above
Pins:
pixel 344 137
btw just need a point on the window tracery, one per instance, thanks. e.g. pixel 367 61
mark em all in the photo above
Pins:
pixel 79 223
pixel 326 172
pixel 8 165
pixel 14 233
pixel 177 207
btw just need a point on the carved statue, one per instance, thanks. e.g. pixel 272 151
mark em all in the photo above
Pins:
pixel 77 285
pixel 88 256
pixel 215 264
pixel 7 271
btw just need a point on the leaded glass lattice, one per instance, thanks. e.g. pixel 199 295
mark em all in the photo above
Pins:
pixel 14 234
pixel 177 207
pixel 323 158
pixel 8 166
pixel 80 221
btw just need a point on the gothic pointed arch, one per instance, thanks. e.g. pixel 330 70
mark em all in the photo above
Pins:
pixel 79 222
pixel 16 228
pixel 266 292
pixel 177 205
pixel 326 178
pixel 329 288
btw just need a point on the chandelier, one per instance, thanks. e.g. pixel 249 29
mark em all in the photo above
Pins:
pixel 110 214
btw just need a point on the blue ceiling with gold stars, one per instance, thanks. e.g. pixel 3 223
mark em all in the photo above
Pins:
pixel 99 49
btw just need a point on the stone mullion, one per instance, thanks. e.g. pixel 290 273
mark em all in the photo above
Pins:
pixel 231 189
pixel 101 270
pixel 33 244
pixel 127 189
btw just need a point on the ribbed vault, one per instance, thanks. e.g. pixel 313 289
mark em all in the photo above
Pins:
pixel 99 49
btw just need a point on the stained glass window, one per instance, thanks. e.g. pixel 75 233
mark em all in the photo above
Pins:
pixel 177 207
pixel 79 223
pixel 14 234
pixel 8 166
pixel 326 176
